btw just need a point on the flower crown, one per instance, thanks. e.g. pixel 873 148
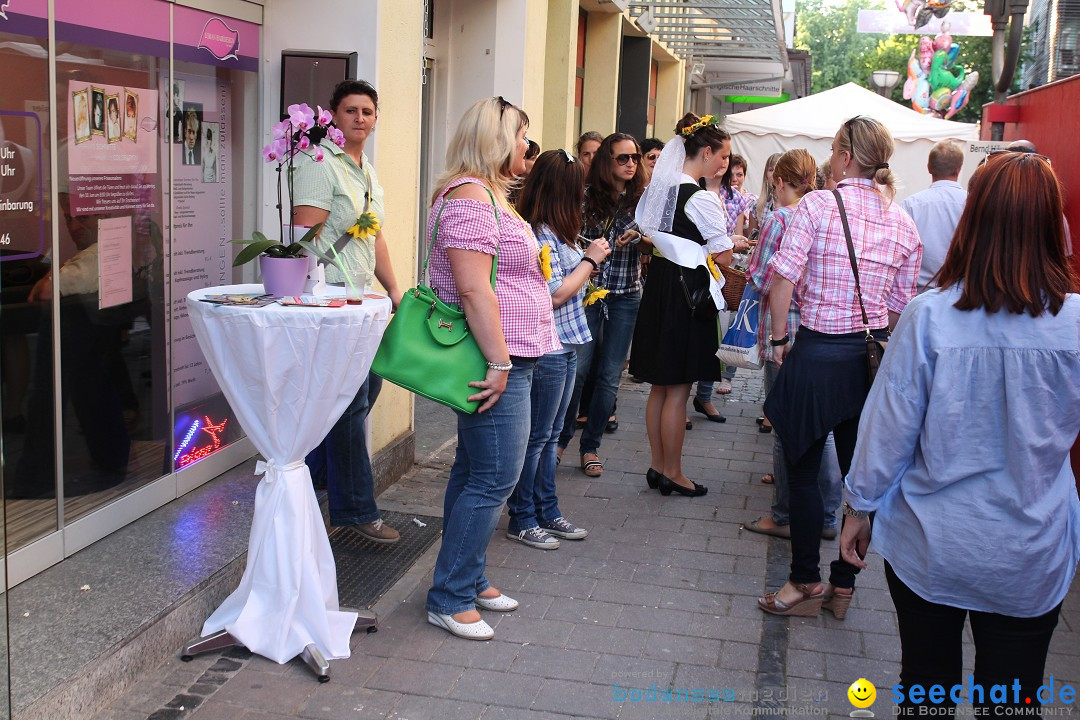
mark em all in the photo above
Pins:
pixel 705 121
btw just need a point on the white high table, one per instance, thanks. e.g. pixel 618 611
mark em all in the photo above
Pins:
pixel 288 374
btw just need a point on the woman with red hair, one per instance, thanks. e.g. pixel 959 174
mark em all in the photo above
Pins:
pixel 964 445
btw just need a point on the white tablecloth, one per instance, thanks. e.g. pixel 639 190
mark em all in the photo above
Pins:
pixel 288 373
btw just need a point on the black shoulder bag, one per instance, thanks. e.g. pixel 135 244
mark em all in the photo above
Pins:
pixel 875 349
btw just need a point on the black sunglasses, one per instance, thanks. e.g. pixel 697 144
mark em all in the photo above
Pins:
pixel 627 157
pixel 503 104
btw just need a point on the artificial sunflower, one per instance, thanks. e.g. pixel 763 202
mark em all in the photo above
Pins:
pixel 593 293
pixel 711 264
pixel 367 226
pixel 545 262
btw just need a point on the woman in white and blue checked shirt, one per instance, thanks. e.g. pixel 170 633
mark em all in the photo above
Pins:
pixel 551 202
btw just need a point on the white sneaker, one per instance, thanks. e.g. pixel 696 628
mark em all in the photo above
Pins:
pixel 535 537
pixel 499 603
pixel 478 630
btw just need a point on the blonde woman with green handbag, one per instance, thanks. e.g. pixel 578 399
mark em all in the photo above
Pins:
pixel 512 323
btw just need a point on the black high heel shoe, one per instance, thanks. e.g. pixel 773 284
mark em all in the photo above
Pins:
pixel 700 407
pixel 667 486
pixel 653 478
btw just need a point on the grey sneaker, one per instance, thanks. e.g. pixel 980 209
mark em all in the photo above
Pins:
pixel 378 532
pixel 561 528
pixel 535 537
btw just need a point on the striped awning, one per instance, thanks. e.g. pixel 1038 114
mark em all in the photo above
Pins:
pixel 700 31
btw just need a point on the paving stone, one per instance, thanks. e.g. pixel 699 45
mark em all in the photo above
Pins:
pixel 627 593
pixel 412 707
pixel 500 688
pixel 679 541
pixel 559 586
pixel 614 641
pixel 587 612
pixel 336 700
pixel 805 664
pixel 267 691
pixel 536 560
pixel 723 627
pixel 739 656
pixel 682 649
pixel 694 601
pixel 496 712
pixel 492 655
pixel 416 678
pixel 555 663
pixel 516 629
pixel 603 568
pixel 567 696
pixel 712 562
pixel 646 554
pixel 676 622
pixel 652 710
pixel 667 577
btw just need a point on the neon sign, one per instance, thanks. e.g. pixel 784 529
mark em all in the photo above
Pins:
pixel 208 427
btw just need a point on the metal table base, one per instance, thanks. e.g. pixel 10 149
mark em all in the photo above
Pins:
pixel 311 655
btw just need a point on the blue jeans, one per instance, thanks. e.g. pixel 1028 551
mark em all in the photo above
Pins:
pixel 341 462
pixel 704 391
pixel 534 500
pixel 611 322
pixel 830 482
pixel 490 453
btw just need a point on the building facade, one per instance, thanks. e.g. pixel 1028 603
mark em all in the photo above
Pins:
pixel 1054 27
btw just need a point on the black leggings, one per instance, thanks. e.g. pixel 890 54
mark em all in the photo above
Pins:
pixel 808 512
pixel 1007 649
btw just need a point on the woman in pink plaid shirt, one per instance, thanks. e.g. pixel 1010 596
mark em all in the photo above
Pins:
pixel 823 383
pixel 513 324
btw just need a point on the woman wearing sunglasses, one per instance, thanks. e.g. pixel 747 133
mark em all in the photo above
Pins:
pixel 616 180
pixel 822 385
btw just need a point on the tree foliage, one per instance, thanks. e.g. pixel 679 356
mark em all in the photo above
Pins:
pixel 841 54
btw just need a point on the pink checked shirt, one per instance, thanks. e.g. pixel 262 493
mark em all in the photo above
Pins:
pixel 528 321
pixel 814 257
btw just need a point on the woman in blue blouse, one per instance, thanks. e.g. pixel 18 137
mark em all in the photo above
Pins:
pixel 964 441
pixel 550 201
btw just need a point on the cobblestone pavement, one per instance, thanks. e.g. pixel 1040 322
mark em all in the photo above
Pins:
pixel 659 597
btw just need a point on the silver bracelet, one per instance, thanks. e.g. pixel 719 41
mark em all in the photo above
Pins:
pixel 848 510
pixel 501 367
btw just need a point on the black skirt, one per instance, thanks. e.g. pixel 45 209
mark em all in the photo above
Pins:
pixel 671 347
pixel 822 383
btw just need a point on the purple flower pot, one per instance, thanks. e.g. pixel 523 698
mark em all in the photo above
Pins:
pixel 283 276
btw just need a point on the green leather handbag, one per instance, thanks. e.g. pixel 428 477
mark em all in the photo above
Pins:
pixel 427 347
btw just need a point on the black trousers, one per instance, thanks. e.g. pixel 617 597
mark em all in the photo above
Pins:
pixel 1007 649
pixel 808 512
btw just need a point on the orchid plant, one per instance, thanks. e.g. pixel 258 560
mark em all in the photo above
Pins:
pixel 298 134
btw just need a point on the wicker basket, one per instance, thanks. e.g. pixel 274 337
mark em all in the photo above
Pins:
pixel 734 284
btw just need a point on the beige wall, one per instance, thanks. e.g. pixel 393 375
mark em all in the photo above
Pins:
pixel 560 70
pixel 603 52
pixel 397 145
pixel 670 89
pixel 536 50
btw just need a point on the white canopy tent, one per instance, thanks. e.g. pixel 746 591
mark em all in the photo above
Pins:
pixel 812 121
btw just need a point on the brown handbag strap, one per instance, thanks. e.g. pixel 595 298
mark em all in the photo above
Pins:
pixel 851 256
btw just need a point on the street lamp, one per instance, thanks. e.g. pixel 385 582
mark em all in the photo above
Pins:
pixel 883 81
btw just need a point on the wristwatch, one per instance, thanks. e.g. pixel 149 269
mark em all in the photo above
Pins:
pixel 848 510
pixel 780 341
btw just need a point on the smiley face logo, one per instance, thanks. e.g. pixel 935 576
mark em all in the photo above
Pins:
pixel 862 694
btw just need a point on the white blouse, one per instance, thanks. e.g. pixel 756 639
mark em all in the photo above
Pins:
pixel 707 212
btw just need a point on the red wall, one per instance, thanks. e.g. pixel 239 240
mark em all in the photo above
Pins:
pixel 1048 118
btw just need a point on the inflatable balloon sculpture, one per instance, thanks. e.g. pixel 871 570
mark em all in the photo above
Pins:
pixel 919 12
pixel 935 86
